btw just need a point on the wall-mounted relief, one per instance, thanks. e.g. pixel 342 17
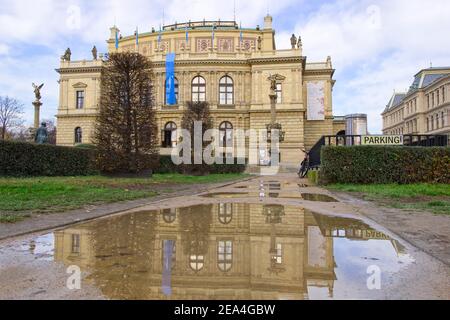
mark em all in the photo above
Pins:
pixel 225 44
pixel 203 44
pixel 181 44
pixel 248 44
pixel 163 46
pixel 145 48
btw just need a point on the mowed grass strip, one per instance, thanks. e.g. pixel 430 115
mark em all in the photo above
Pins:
pixel 52 195
pixel 426 197
pixel 57 194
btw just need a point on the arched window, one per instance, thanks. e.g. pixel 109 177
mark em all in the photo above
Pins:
pixel 78 135
pixel 169 135
pixel 225 255
pixel 226 91
pixel 176 91
pixel 198 89
pixel 196 262
pixel 226 134
pixel 225 213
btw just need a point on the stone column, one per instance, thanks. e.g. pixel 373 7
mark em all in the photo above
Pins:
pixel 37 109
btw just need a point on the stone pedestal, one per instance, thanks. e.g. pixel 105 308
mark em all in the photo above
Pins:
pixel 37 109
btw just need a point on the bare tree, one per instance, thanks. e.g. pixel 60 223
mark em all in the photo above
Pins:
pixel 21 133
pixel 11 111
pixel 126 130
pixel 196 112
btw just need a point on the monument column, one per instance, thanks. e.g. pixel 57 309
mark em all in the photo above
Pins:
pixel 37 104
pixel 37 110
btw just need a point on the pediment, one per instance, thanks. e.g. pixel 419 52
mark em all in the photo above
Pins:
pixel 79 85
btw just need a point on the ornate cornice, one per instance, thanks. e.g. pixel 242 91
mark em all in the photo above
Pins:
pixel 319 72
pixel 275 60
pixel 79 70
pixel 81 115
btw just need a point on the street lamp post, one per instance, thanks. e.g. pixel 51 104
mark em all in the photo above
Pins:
pixel 275 133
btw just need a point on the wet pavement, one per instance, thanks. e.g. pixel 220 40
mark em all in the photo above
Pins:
pixel 262 239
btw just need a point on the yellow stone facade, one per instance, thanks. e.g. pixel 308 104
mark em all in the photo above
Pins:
pixel 424 109
pixel 247 56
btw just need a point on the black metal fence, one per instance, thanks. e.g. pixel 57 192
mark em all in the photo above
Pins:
pixel 354 140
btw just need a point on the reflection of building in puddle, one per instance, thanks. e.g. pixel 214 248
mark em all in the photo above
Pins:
pixel 220 251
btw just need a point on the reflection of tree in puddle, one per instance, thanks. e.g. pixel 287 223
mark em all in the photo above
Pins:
pixel 195 223
pixel 124 249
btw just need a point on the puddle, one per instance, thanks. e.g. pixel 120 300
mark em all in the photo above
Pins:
pixel 229 251
pixel 260 195
pixel 271 194
pixel 318 197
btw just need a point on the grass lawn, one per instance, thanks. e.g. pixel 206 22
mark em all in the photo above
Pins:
pixel 21 196
pixel 426 197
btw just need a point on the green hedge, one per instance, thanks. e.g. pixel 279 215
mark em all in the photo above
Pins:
pixel 166 165
pixel 385 164
pixel 19 159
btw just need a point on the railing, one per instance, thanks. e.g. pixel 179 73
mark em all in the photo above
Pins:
pixel 354 140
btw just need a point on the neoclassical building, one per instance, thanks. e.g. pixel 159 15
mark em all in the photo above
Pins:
pixel 424 109
pixel 220 63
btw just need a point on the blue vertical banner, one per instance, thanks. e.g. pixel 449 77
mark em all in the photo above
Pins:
pixel 171 98
pixel 166 285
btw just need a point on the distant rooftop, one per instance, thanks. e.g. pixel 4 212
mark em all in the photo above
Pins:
pixel 426 77
pixel 422 79
pixel 396 100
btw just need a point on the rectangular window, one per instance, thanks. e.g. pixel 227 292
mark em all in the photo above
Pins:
pixel 75 243
pixel 80 100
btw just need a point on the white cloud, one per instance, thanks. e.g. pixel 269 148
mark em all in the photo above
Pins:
pixel 376 46
pixel 4 49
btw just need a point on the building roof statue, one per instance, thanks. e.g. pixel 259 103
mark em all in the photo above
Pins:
pixel 94 52
pixel 293 41
pixel 67 55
